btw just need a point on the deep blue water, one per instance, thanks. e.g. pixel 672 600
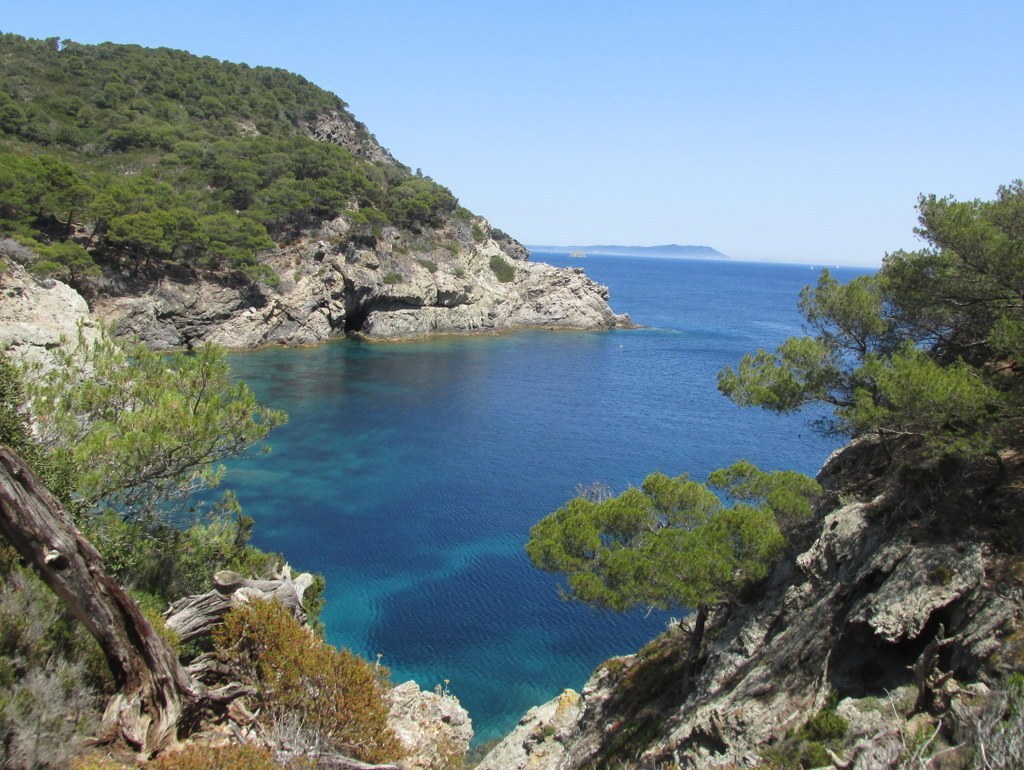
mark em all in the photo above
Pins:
pixel 410 474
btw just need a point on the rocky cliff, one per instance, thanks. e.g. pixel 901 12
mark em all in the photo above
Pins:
pixel 36 314
pixel 397 286
pixel 456 276
pixel 885 641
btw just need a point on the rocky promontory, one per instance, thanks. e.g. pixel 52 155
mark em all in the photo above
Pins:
pixel 37 314
pixel 330 287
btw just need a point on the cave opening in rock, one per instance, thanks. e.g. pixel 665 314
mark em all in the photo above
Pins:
pixel 865 666
pixel 355 319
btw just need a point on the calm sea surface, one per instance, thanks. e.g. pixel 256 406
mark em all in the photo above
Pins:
pixel 409 475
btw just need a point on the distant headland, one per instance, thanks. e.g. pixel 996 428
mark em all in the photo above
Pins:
pixel 668 251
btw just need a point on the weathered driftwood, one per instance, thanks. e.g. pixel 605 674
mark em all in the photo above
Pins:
pixel 155 693
pixel 195 616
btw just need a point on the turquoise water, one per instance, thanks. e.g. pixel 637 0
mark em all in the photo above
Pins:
pixel 409 475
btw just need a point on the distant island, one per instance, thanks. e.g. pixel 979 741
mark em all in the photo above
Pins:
pixel 668 251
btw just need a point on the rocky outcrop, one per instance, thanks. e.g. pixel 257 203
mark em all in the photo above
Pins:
pixel 332 284
pixel 897 612
pixel 541 738
pixel 36 314
pixel 343 130
pixel 432 727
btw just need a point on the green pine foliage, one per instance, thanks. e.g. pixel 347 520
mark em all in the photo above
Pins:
pixel 502 269
pixel 123 436
pixel 145 432
pixel 145 156
pixel 928 351
pixel 674 542
pixel 53 465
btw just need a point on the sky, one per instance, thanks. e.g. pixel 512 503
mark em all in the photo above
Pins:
pixel 780 131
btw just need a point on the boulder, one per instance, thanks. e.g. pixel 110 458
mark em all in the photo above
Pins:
pixel 433 727
pixel 37 314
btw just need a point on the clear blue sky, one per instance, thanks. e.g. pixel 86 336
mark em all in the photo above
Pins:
pixel 788 131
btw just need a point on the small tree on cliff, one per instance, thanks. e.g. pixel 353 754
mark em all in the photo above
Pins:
pixel 674 542
pixel 929 350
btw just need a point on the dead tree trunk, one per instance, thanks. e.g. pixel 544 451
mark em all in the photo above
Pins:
pixel 155 692
pixel 196 616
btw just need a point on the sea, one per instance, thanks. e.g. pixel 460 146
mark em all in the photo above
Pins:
pixel 409 475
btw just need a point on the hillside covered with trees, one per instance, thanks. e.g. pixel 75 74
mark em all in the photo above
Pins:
pixel 871 618
pixel 193 200
pixel 117 154
pixel 118 161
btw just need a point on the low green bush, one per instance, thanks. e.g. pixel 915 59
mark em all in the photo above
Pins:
pixel 502 269
pixel 827 725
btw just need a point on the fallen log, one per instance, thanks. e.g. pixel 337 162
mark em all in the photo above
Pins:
pixel 195 616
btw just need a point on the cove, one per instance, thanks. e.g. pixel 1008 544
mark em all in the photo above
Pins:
pixel 410 474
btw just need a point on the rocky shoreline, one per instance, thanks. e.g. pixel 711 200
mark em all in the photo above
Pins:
pixel 325 292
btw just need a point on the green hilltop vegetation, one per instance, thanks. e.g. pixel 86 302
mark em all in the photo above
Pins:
pixel 128 157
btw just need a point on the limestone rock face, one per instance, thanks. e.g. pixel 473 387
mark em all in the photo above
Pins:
pixel 342 130
pixel 36 314
pixel 537 741
pixel 383 293
pixel 875 604
pixel 433 727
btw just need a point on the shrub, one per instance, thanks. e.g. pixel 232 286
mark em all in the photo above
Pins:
pixel 230 757
pixel 392 278
pixel 45 715
pixel 502 269
pixel 337 696
pixel 814 755
pixel 430 264
pixel 96 761
pixel 996 730
pixel 827 725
